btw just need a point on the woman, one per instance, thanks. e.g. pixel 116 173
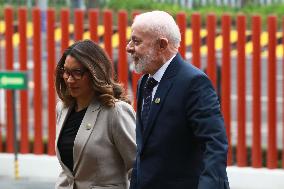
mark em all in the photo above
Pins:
pixel 95 142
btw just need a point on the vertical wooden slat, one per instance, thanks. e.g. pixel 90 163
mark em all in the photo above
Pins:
pixel 211 60
pixel 9 66
pixel 226 80
pixel 107 19
pixel 64 29
pixel 78 24
pixel 135 13
pixel 122 67
pixel 195 21
pixel 241 92
pixel 1 123
pixel 50 71
pixel 181 21
pixel 256 82
pixel 38 143
pixel 93 24
pixel 24 145
pixel 283 94
pixel 135 76
pixel 271 111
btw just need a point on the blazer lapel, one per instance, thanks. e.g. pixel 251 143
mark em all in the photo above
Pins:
pixel 84 131
pixel 62 118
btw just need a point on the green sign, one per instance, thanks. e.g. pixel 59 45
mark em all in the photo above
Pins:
pixel 13 80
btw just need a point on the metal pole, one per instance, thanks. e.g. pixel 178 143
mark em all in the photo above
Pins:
pixel 16 163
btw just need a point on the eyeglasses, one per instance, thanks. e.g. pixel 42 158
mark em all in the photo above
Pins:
pixel 76 74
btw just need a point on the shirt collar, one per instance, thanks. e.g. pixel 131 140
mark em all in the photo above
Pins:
pixel 159 74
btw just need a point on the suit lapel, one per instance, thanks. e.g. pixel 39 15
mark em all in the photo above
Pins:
pixel 161 95
pixel 85 130
pixel 157 103
pixel 141 84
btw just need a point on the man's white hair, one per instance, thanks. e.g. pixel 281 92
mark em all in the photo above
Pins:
pixel 160 23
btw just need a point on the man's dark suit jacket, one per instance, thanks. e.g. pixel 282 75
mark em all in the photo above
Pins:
pixel 184 144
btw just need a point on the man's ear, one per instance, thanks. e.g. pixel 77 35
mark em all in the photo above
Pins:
pixel 163 43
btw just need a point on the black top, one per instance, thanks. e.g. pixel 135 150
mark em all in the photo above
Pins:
pixel 67 136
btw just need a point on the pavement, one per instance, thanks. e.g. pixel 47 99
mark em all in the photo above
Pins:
pixel 25 183
pixel 41 172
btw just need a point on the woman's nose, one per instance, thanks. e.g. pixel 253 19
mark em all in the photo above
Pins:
pixel 70 79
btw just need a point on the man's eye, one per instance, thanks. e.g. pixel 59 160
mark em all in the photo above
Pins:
pixel 136 42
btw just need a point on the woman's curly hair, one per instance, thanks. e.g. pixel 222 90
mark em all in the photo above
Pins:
pixel 98 64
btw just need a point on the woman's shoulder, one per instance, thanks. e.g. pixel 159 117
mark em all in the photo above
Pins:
pixel 121 107
pixel 123 115
pixel 119 104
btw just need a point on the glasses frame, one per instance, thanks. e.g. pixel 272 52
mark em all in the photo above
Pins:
pixel 76 74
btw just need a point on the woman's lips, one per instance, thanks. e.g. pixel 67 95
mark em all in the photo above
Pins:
pixel 73 88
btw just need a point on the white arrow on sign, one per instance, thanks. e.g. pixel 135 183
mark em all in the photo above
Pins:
pixel 11 81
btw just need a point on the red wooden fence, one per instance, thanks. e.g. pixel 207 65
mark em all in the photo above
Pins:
pixel 256 76
pixel 283 95
pixel 122 66
pixel 226 83
pixel 211 62
pixel 195 21
pixel 107 19
pixel 64 22
pixel 93 24
pixel 135 76
pixel 9 66
pixel 24 144
pixel 51 89
pixel 78 24
pixel 241 92
pixel 271 72
pixel 38 143
pixel 181 21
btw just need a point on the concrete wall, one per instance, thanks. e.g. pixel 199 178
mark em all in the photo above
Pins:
pixel 44 167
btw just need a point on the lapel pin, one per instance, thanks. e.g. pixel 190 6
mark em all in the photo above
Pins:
pixel 88 126
pixel 157 100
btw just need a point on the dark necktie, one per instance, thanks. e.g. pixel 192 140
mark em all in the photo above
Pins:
pixel 147 97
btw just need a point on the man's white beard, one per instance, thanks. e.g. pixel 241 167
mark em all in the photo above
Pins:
pixel 138 68
pixel 142 63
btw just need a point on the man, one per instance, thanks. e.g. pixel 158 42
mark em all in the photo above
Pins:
pixel 181 140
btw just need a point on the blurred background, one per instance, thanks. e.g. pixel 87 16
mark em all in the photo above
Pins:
pixel 239 44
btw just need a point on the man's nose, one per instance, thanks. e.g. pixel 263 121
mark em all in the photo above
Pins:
pixel 129 48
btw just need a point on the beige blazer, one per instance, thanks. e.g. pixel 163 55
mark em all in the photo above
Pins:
pixel 104 148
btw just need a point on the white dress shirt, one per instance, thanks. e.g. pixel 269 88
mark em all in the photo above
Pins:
pixel 159 74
